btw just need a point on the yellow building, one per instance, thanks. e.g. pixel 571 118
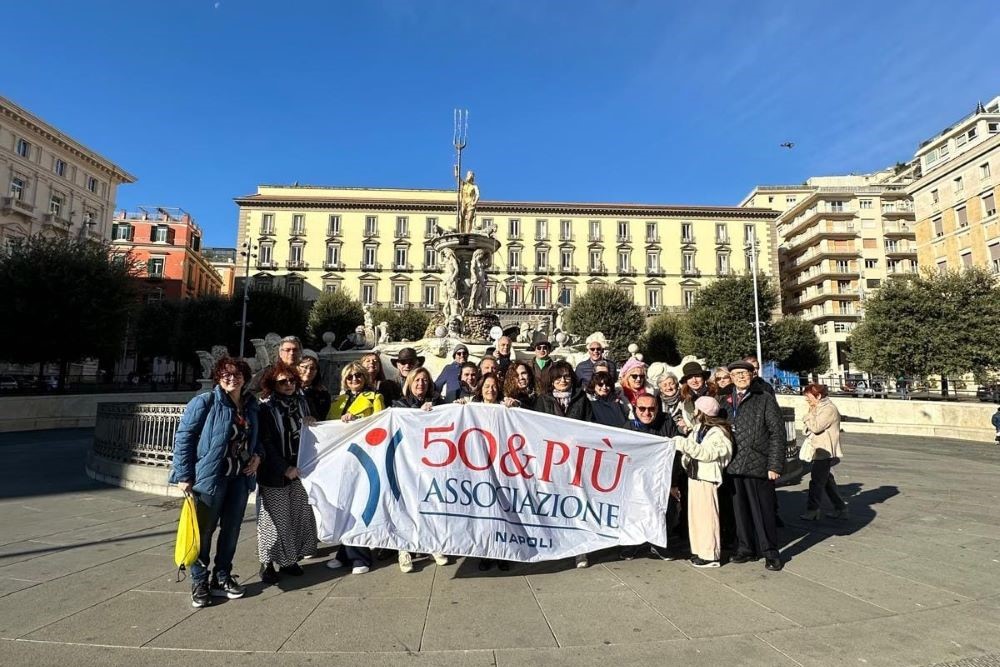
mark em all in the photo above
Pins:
pixel 956 196
pixel 840 237
pixel 374 243
pixel 55 185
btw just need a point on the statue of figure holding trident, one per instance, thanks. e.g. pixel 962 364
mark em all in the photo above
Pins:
pixel 468 191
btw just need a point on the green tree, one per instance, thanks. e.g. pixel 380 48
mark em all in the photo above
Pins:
pixel 660 342
pixel 156 328
pixel 268 311
pixel 610 311
pixel 203 322
pixel 721 319
pixel 796 348
pixel 408 323
pixel 63 300
pixel 934 324
pixel 334 311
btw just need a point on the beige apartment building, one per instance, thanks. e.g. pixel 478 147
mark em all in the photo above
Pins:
pixel 840 237
pixel 374 243
pixel 55 185
pixel 956 196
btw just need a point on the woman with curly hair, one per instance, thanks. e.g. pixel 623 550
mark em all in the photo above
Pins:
pixel 286 527
pixel 520 387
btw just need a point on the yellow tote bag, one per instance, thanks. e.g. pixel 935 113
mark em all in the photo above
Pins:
pixel 188 544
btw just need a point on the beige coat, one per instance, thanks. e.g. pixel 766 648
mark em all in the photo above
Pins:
pixel 713 453
pixel 823 422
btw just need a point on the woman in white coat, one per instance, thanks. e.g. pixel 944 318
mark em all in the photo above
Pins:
pixel 707 451
pixel 823 426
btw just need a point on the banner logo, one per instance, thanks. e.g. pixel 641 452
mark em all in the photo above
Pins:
pixel 375 438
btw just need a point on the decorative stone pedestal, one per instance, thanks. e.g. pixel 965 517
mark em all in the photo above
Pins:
pixel 465 259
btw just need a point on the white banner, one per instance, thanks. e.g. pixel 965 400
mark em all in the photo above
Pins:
pixel 487 481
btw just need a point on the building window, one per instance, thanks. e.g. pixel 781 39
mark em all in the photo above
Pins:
pixel 401 252
pixel 967 259
pixel 565 230
pixel 566 259
pixel 55 205
pixel 595 231
pixel 653 298
pixel 864 204
pixel 154 267
pixel 160 233
pixel 984 170
pixel 92 184
pixel 17 186
pixel 651 235
pixel 293 289
pixel 688 297
pixel 749 233
pixel 962 215
pixel 267 223
pixel 995 257
pixel 624 261
pixel 872 283
pixel 722 264
pixel 333 226
pixel 871 263
pixel 541 259
pixel 23 148
pixel 989 205
pixel 993 128
pixel 367 294
pixel 298 224
pixel 332 254
pixel 121 232
pixel 266 254
pixel 541 230
pixel 399 295
pixel 371 225
pixel 868 244
pixel 430 296
pixel 402 227
pixel 721 233
pixel 514 228
pixel 623 235
pixel 515 294
pixel 938 226
pixel 846 307
pixel 595 260
pixel 514 259
pixel 843 287
pixel 935 197
pixel 565 296
pixel 942 266
pixel 892 266
pixel 790 201
pixel 959 184
pixel 688 262
pixel 430 227
pixel 836 206
pixel 687 232
pixel 541 293
pixel 59 167
pixel 430 258
pixel 295 255
pixel 368 256
pixel 330 288
pixel 652 262
pixel 891 245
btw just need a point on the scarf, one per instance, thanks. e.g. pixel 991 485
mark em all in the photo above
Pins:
pixel 671 405
pixel 289 411
pixel 562 399
pixel 632 396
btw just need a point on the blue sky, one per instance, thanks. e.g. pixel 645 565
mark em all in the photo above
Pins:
pixel 659 102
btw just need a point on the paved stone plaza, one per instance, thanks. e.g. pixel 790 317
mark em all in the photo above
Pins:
pixel 87 578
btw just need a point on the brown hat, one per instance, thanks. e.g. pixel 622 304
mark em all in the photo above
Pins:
pixel 742 366
pixel 691 369
pixel 408 354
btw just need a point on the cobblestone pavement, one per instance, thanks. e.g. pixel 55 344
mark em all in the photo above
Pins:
pixel 86 577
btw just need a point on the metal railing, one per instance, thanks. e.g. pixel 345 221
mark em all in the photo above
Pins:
pixel 140 433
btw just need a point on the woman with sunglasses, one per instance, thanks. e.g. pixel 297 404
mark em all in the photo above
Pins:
pixel 317 396
pixel 605 402
pixel 520 386
pixel 356 401
pixel 419 393
pixel 723 383
pixel 561 394
pixel 633 383
pixel 286 527
pixel 389 389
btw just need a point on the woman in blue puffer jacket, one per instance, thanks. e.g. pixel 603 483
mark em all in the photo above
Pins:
pixel 216 455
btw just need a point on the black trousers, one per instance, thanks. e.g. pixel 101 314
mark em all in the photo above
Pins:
pixel 821 481
pixel 753 504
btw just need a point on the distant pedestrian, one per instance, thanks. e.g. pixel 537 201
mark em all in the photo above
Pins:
pixel 758 381
pixel 996 424
pixel 823 431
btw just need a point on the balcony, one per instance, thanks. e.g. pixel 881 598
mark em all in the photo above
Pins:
pixel 334 232
pixel 296 265
pixel 721 240
pixel 299 230
pixel 655 271
pixel 595 238
pixel 897 249
pixel 598 270
pixel 569 270
pixel 566 236
pixel 53 220
pixel 627 271
pixel 691 273
pixel 687 240
pixel 374 266
pixel 514 236
pixel 652 240
pixel 402 233
pixel 544 270
pixel 15 204
pixel 816 213
pixel 267 266
pixel 334 266
pixel 430 268
pixel 898 209
pixel 541 236
pixel 370 232
pixel 517 268
pixel 624 238
pixel 266 230
pixel 402 267
pixel 897 229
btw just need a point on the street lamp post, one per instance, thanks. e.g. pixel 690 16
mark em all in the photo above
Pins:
pixel 752 247
pixel 248 248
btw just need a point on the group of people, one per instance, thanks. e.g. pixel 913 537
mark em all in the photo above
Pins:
pixel 727 428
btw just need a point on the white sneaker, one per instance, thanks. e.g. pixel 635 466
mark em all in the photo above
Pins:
pixel 405 562
pixel 360 569
pixel 440 559
pixel 334 564
pixel 581 561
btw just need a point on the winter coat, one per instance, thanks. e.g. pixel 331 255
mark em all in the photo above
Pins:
pixel 202 440
pixel 390 390
pixel 319 401
pixel 366 404
pixel 449 380
pixel 706 460
pixel 762 384
pixel 823 423
pixel 758 434
pixel 414 402
pixel 610 412
pixel 996 420
pixel 277 458
pixel 585 371
pixel 579 407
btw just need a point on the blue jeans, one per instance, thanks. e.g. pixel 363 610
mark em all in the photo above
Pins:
pixel 223 509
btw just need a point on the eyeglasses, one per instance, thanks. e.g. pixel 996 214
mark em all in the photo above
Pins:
pixel 355 376
pixel 230 376
pixel 637 377
pixel 460 353
pixel 285 381
pixel 740 374
pixel 645 409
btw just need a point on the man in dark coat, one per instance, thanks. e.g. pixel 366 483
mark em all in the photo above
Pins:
pixel 758 459
pixel 449 380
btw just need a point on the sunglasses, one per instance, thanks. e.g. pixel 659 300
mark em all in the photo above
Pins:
pixel 722 377
pixel 603 384
pixel 596 349
pixel 461 354
pixel 355 376
pixel 543 347
pixel 637 377
pixel 568 378
pixel 642 409
pixel 285 381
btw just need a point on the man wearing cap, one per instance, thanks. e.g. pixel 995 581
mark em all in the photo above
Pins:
pixel 449 380
pixel 758 459
pixel 596 344
pixel 542 360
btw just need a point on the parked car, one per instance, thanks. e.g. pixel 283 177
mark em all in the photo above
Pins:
pixel 8 383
